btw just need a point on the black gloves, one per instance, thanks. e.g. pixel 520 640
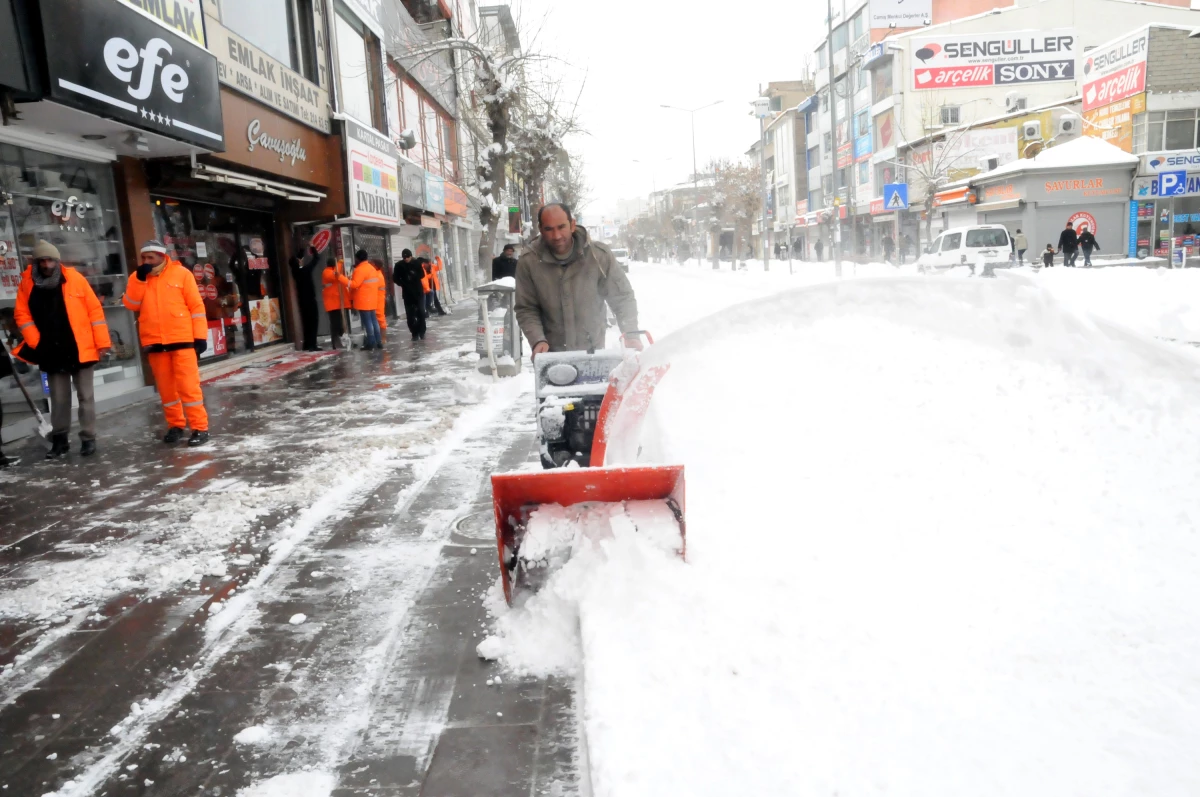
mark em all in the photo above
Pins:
pixel 201 346
pixel 143 271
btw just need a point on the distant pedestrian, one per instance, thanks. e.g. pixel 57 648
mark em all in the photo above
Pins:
pixel 409 275
pixel 505 265
pixel 65 334
pixel 1048 256
pixel 906 247
pixel 1068 244
pixel 435 266
pixel 1020 245
pixel 364 298
pixel 381 305
pixel 1087 242
pixel 820 247
pixel 889 248
pixel 306 295
pixel 174 333
pixel 336 296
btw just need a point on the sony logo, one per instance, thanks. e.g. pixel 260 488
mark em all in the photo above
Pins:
pixel 121 56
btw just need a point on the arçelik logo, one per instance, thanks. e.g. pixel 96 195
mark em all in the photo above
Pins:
pixel 928 51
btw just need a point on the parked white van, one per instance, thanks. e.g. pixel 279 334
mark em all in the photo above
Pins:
pixel 966 246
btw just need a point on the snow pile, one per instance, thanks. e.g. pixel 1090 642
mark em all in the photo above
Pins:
pixel 941 541
pixel 295 784
pixel 254 735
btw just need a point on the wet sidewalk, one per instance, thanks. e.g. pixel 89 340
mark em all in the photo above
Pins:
pixel 293 609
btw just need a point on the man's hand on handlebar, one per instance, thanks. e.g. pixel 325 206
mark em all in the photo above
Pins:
pixel 539 348
pixel 634 342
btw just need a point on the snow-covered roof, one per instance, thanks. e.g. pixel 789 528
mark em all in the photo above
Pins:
pixel 1084 151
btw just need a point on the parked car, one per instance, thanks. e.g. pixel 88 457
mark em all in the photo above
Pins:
pixel 622 256
pixel 968 246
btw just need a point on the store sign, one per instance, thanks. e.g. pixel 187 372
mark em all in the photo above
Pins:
pixel 1147 187
pixel 969 60
pixel 257 137
pixel 412 184
pixel 1115 71
pixel 456 200
pixel 113 61
pixel 1169 162
pixel 371 174
pixel 900 13
pixel 251 71
pixel 1088 187
pixel 182 16
pixel 970 150
pixel 10 261
pixel 435 193
pixel 1114 122
pixel 320 241
pixel 1005 192
pixel 1084 221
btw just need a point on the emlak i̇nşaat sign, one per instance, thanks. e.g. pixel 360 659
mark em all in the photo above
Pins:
pixel 1000 59
pixel 114 61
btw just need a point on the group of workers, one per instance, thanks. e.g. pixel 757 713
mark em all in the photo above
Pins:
pixel 365 292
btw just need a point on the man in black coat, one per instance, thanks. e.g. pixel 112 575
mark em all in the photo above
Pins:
pixel 506 264
pixel 306 294
pixel 408 273
pixel 1068 244
pixel 1087 242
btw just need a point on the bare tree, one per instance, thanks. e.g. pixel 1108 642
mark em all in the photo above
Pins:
pixel 568 183
pixel 737 197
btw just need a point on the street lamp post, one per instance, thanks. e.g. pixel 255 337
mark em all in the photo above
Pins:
pixel 833 136
pixel 695 174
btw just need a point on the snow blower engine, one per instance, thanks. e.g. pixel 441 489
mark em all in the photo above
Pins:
pixel 581 398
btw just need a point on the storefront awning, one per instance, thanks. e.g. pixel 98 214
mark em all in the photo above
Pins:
pixel 955 196
pixel 1007 204
pixel 213 174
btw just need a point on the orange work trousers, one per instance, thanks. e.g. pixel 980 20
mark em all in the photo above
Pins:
pixel 177 376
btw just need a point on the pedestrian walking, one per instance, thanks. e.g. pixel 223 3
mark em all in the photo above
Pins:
pixel 1068 244
pixel 889 248
pixel 820 247
pixel 505 264
pixel 306 295
pixel 65 335
pixel 409 275
pixel 906 247
pixel 1020 244
pixel 174 333
pixel 1087 243
pixel 1048 256
pixel 435 267
pixel 336 298
pixel 364 297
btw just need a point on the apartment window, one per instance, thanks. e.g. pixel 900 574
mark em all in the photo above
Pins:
pixel 862 124
pixel 950 114
pixel 1139 133
pixel 815 200
pixel 842 178
pixel 449 149
pixel 813 157
pixel 357 66
pixel 1166 130
pixel 839 39
pixel 881 82
pixel 864 172
pixel 827 185
pixel 828 143
pixel 857 26
pixel 281 28
pixel 823 58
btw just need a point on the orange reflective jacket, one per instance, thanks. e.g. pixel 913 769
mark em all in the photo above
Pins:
pixel 168 307
pixel 364 286
pixel 437 278
pixel 83 311
pixel 379 308
pixel 427 280
pixel 335 294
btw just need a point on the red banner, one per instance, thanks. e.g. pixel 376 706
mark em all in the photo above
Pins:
pixel 953 76
pixel 1126 83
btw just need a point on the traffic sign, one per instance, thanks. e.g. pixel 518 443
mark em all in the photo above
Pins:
pixel 895 196
pixel 1172 183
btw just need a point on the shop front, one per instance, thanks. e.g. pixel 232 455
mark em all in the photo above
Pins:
pixel 62 159
pixel 1166 220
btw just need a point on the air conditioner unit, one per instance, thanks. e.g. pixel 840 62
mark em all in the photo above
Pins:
pixel 1069 125
pixel 989 162
pixel 1031 130
pixel 1015 101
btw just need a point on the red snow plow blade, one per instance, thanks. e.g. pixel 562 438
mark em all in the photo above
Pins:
pixel 515 495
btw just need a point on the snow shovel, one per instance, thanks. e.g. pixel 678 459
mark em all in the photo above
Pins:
pixel 43 428
pixel 516 495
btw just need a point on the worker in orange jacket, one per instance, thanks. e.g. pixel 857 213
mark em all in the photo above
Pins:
pixel 381 308
pixel 435 281
pixel 336 295
pixel 364 297
pixel 64 332
pixel 174 333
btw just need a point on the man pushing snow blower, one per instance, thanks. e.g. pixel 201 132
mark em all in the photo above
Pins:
pixel 564 281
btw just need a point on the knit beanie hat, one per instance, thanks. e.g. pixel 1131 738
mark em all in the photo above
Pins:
pixel 154 245
pixel 45 249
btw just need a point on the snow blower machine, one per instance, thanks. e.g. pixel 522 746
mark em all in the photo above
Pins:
pixel 584 402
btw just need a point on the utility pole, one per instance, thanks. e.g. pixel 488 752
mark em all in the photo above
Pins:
pixel 833 135
pixel 762 180
pixel 852 183
pixel 695 173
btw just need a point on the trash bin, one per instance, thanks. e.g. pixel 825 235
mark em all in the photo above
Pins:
pixel 497 299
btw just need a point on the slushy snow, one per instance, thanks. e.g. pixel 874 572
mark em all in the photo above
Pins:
pixel 941 541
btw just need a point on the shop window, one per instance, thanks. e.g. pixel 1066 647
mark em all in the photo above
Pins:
pixel 73 205
pixel 358 67
pixel 281 28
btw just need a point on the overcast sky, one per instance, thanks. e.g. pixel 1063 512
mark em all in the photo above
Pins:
pixel 639 54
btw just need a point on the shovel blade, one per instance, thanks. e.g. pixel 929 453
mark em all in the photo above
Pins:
pixel 515 495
